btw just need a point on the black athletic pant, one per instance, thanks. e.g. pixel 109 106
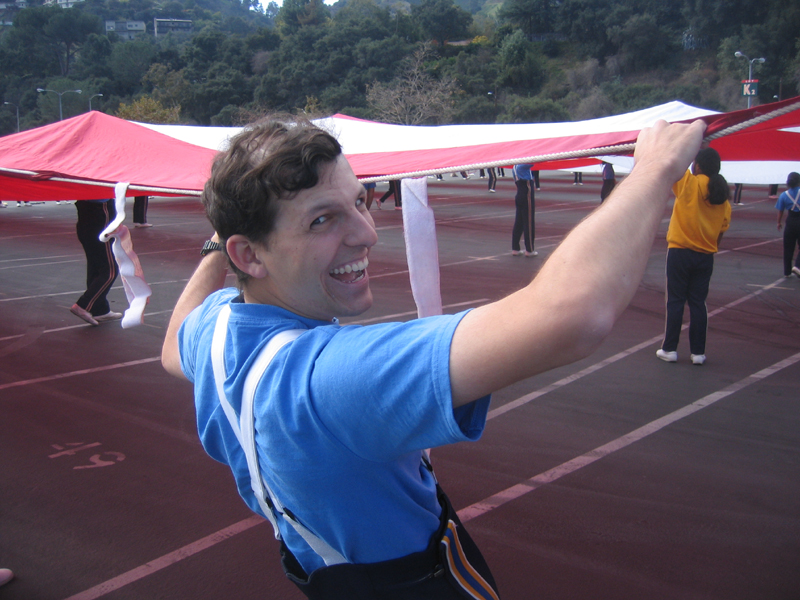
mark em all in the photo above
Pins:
pixel 688 277
pixel 101 268
pixel 791 239
pixel 394 188
pixel 140 209
pixel 525 219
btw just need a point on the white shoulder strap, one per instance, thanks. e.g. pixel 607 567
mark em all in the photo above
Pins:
pixel 218 364
pixel 244 427
pixel 794 200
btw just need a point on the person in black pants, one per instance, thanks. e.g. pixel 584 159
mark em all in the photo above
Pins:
pixel 737 193
pixel 789 202
pixel 140 211
pixel 525 217
pixel 492 179
pixel 394 188
pixel 101 268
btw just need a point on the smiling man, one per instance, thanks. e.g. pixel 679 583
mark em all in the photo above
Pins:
pixel 333 455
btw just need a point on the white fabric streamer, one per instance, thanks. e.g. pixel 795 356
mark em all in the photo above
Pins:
pixel 130 269
pixel 422 252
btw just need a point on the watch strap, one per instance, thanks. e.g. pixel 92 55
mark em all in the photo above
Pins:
pixel 209 247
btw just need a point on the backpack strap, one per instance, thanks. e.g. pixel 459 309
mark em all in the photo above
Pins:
pixel 244 428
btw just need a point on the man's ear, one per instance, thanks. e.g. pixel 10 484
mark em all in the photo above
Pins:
pixel 245 254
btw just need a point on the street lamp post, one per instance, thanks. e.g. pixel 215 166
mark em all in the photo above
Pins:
pixel 90 100
pixel 738 54
pixel 17 107
pixel 60 111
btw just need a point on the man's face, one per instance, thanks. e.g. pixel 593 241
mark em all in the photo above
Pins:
pixel 316 257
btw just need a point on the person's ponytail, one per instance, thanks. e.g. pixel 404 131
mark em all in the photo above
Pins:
pixel 708 161
pixel 718 190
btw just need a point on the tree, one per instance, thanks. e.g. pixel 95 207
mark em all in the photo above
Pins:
pixel 532 16
pixel 296 14
pixel 222 86
pixel 414 98
pixel 520 68
pixel 94 57
pixel 148 110
pixel 586 22
pixel 642 43
pixel 67 29
pixel 532 110
pixel 476 109
pixel 442 20
pixel 129 62
pixel 26 49
pixel 166 86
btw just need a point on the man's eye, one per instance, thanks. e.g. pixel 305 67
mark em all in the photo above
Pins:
pixel 319 221
pixel 360 201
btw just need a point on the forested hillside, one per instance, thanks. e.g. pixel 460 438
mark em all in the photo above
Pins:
pixel 428 61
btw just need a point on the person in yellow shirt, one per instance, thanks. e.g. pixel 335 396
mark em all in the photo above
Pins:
pixel 700 215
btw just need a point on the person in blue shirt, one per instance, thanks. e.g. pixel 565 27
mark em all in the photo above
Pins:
pixel 789 202
pixel 336 455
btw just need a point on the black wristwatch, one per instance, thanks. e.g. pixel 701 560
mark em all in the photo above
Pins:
pixel 210 246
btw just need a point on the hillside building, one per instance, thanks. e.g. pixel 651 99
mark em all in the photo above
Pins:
pixel 126 30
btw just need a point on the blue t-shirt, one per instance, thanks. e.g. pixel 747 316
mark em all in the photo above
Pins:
pixel 523 171
pixel 342 415
pixel 785 202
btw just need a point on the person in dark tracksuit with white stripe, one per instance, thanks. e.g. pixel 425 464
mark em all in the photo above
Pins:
pixel 101 268
pixel 525 218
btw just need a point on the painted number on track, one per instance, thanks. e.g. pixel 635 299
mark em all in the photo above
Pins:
pixel 102 459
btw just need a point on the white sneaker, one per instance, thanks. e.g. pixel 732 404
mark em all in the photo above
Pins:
pixel 667 356
pixel 698 359
pixel 6 575
pixel 796 271
pixel 109 316
pixel 516 253
pixel 534 253
pixel 492 191
pixel 83 314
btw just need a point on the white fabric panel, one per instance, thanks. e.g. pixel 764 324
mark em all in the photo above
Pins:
pixel 422 252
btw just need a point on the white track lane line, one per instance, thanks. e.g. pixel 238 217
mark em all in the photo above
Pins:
pixel 516 491
pixel 168 559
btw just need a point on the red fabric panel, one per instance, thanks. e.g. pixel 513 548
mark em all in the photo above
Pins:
pixel 390 163
pixel 99 147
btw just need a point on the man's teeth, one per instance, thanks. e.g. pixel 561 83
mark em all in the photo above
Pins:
pixel 359 266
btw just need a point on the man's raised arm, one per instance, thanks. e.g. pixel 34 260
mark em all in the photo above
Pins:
pixel 570 306
pixel 207 278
